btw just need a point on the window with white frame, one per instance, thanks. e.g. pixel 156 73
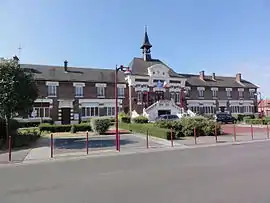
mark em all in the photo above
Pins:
pixel 111 111
pixel 241 94
pixel 121 92
pixel 139 97
pixel 201 92
pixel 101 91
pixel 41 112
pixel 177 97
pixel 187 92
pixel 235 109
pixel 52 90
pixel 90 111
pixel 78 91
pixel 214 92
pixel 252 93
pixel 229 93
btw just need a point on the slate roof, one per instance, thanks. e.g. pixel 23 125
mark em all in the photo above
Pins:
pixel 74 74
pixel 139 67
pixel 220 81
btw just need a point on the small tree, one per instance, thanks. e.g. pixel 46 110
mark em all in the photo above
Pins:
pixel 18 89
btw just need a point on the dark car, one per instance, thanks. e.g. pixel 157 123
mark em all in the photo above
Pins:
pixel 167 117
pixel 225 118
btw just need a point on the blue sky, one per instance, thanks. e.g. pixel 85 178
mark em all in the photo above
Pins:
pixel 219 36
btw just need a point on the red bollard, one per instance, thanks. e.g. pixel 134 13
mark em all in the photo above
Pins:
pixel 195 136
pixel 87 141
pixel 234 132
pixel 216 133
pixel 147 140
pixel 251 131
pixel 9 148
pixel 172 137
pixel 267 129
pixel 51 145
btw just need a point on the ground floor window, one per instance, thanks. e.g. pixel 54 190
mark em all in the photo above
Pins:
pixel 203 109
pixel 90 111
pixel 41 112
pixel 242 109
pixel 98 111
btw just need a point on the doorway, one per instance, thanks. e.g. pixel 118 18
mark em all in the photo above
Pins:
pixel 163 112
pixel 65 116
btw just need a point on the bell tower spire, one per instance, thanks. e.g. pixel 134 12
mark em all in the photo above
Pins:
pixel 146 46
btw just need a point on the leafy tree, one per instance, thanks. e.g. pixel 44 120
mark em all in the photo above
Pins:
pixel 18 89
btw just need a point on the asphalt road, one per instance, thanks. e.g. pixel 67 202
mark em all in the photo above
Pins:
pixel 238 173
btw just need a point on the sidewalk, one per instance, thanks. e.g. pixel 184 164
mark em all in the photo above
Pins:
pixel 205 140
pixel 132 143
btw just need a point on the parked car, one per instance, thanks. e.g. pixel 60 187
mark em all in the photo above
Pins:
pixel 167 117
pixel 225 118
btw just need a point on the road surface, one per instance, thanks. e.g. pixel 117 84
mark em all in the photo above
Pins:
pixel 237 173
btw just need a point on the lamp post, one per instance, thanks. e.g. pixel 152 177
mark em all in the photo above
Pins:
pixel 182 99
pixel 127 71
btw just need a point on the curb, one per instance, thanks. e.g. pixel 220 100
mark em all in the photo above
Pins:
pixel 107 153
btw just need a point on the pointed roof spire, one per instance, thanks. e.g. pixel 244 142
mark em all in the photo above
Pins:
pixel 146 43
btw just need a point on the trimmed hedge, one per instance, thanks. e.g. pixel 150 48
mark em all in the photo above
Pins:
pixel 100 125
pixel 264 121
pixel 185 126
pixel 65 128
pixel 151 129
pixel 25 137
pixel 140 119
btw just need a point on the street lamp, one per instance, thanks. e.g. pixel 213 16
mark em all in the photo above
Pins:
pixel 127 71
pixel 182 99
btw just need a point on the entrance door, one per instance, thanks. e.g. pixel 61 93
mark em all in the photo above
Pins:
pixel 65 116
pixel 162 112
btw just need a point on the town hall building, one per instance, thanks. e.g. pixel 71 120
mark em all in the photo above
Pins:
pixel 71 94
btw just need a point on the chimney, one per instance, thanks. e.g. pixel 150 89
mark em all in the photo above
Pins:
pixel 214 76
pixel 202 75
pixel 65 65
pixel 238 77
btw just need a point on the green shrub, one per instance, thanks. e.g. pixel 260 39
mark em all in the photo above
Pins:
pixel 125 119
pixel 151 129
pixel 25 137
pixel 100 125
pixel 65 128
pixel 243 117
pixel 257 121
pixel 26 123
pixel 54 128
pixel 73 129
pixel 140 119
pixel 185 126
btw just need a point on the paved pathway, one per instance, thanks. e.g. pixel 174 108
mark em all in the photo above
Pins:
pixel 234 173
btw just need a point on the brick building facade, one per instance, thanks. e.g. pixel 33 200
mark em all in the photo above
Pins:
pixel 70 94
